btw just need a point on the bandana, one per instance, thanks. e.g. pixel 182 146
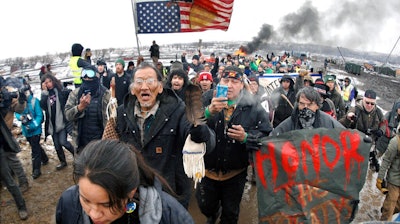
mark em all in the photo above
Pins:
pixel 306 118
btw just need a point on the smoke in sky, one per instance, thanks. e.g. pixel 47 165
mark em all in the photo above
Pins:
pixel 353 24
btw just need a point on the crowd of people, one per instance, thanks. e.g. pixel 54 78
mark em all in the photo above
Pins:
pixel 140 176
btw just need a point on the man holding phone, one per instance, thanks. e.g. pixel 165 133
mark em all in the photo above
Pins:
pixel 237 119
pixel 87 108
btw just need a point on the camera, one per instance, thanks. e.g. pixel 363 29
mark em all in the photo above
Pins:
pixel 6 97
pixel 354 118
pixel 26 119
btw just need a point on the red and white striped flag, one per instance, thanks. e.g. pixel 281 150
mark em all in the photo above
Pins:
pixel 160 16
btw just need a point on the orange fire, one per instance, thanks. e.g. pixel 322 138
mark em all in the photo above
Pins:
pixel 241 52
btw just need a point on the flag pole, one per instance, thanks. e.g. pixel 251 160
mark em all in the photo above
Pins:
pixel 136 24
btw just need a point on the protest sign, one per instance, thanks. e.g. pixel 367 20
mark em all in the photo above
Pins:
pixel 311 176
pixel 271 81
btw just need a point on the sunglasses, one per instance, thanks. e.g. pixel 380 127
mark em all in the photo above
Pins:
pixel 370 103
pixel 88 73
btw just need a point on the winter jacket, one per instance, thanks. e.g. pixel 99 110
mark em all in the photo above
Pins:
pixel 72 114
pixel 162 146
pixel 282 108
pixel 392 116
pixel 197 68
pixel 322 120
pixel 229 154
pixel 339 103
pixel 33 125
pixel 62 97
pixel 391 162
pixel 69 209
pixel 366 122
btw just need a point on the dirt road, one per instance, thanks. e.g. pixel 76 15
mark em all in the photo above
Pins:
pixel 42 197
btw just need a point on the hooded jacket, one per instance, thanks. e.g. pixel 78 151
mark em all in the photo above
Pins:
pixel 282 106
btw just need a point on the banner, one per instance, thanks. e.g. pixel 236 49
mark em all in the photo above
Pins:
pixel 160 16
pixel 310 176
pixel 271 81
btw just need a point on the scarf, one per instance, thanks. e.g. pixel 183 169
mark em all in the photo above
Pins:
pixel 59 115
pixel 306 118
pixel 150 207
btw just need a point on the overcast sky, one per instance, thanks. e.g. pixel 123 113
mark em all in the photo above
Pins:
pixel 38 27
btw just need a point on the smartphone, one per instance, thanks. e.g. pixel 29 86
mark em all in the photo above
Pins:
pixel 86 91
pixel 222 91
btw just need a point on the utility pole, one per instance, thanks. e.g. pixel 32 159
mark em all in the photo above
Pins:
pixel 341 54
pixel 387 59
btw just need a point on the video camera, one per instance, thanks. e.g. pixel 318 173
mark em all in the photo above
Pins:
pixel 6 95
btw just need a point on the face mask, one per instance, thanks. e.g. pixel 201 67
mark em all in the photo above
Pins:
pixel 306 114
pixel 306 118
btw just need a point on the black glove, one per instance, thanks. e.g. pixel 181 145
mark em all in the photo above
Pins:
pixel 199 133
pixel 378 133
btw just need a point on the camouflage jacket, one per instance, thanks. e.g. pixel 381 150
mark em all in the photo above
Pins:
pixel 72 113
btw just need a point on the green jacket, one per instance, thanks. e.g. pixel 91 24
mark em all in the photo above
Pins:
pixel 391 162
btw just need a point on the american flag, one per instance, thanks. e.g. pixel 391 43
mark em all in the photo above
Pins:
pixel 160 16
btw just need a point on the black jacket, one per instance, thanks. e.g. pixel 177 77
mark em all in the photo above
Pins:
pixel 282 108
pixel 230 154
pixel 162 146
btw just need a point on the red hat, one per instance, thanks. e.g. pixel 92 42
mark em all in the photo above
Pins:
pixel 205 76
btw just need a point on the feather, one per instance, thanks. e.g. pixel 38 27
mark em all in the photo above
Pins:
pixel 194 105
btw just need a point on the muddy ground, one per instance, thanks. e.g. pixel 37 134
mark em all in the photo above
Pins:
pixel 44 192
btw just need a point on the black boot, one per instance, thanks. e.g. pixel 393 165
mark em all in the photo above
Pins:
pixel 36 168
pixel 61 166
pixel 36 173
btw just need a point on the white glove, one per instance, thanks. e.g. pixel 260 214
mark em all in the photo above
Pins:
pixel 193 161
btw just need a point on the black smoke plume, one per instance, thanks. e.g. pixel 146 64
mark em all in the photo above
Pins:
pixel 352 24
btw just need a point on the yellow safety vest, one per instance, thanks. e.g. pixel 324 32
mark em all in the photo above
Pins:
pixel 346 93
pixel 76 71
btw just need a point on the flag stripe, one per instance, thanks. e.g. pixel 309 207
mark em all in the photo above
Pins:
pixel 160 16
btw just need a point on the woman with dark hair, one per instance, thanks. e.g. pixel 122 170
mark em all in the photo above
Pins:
pixel 178 80
pixel 114 185
pixel 52 101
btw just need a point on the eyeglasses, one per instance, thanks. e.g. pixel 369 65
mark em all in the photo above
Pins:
pixel 139 82
pixel 88 73
pixel 370 103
